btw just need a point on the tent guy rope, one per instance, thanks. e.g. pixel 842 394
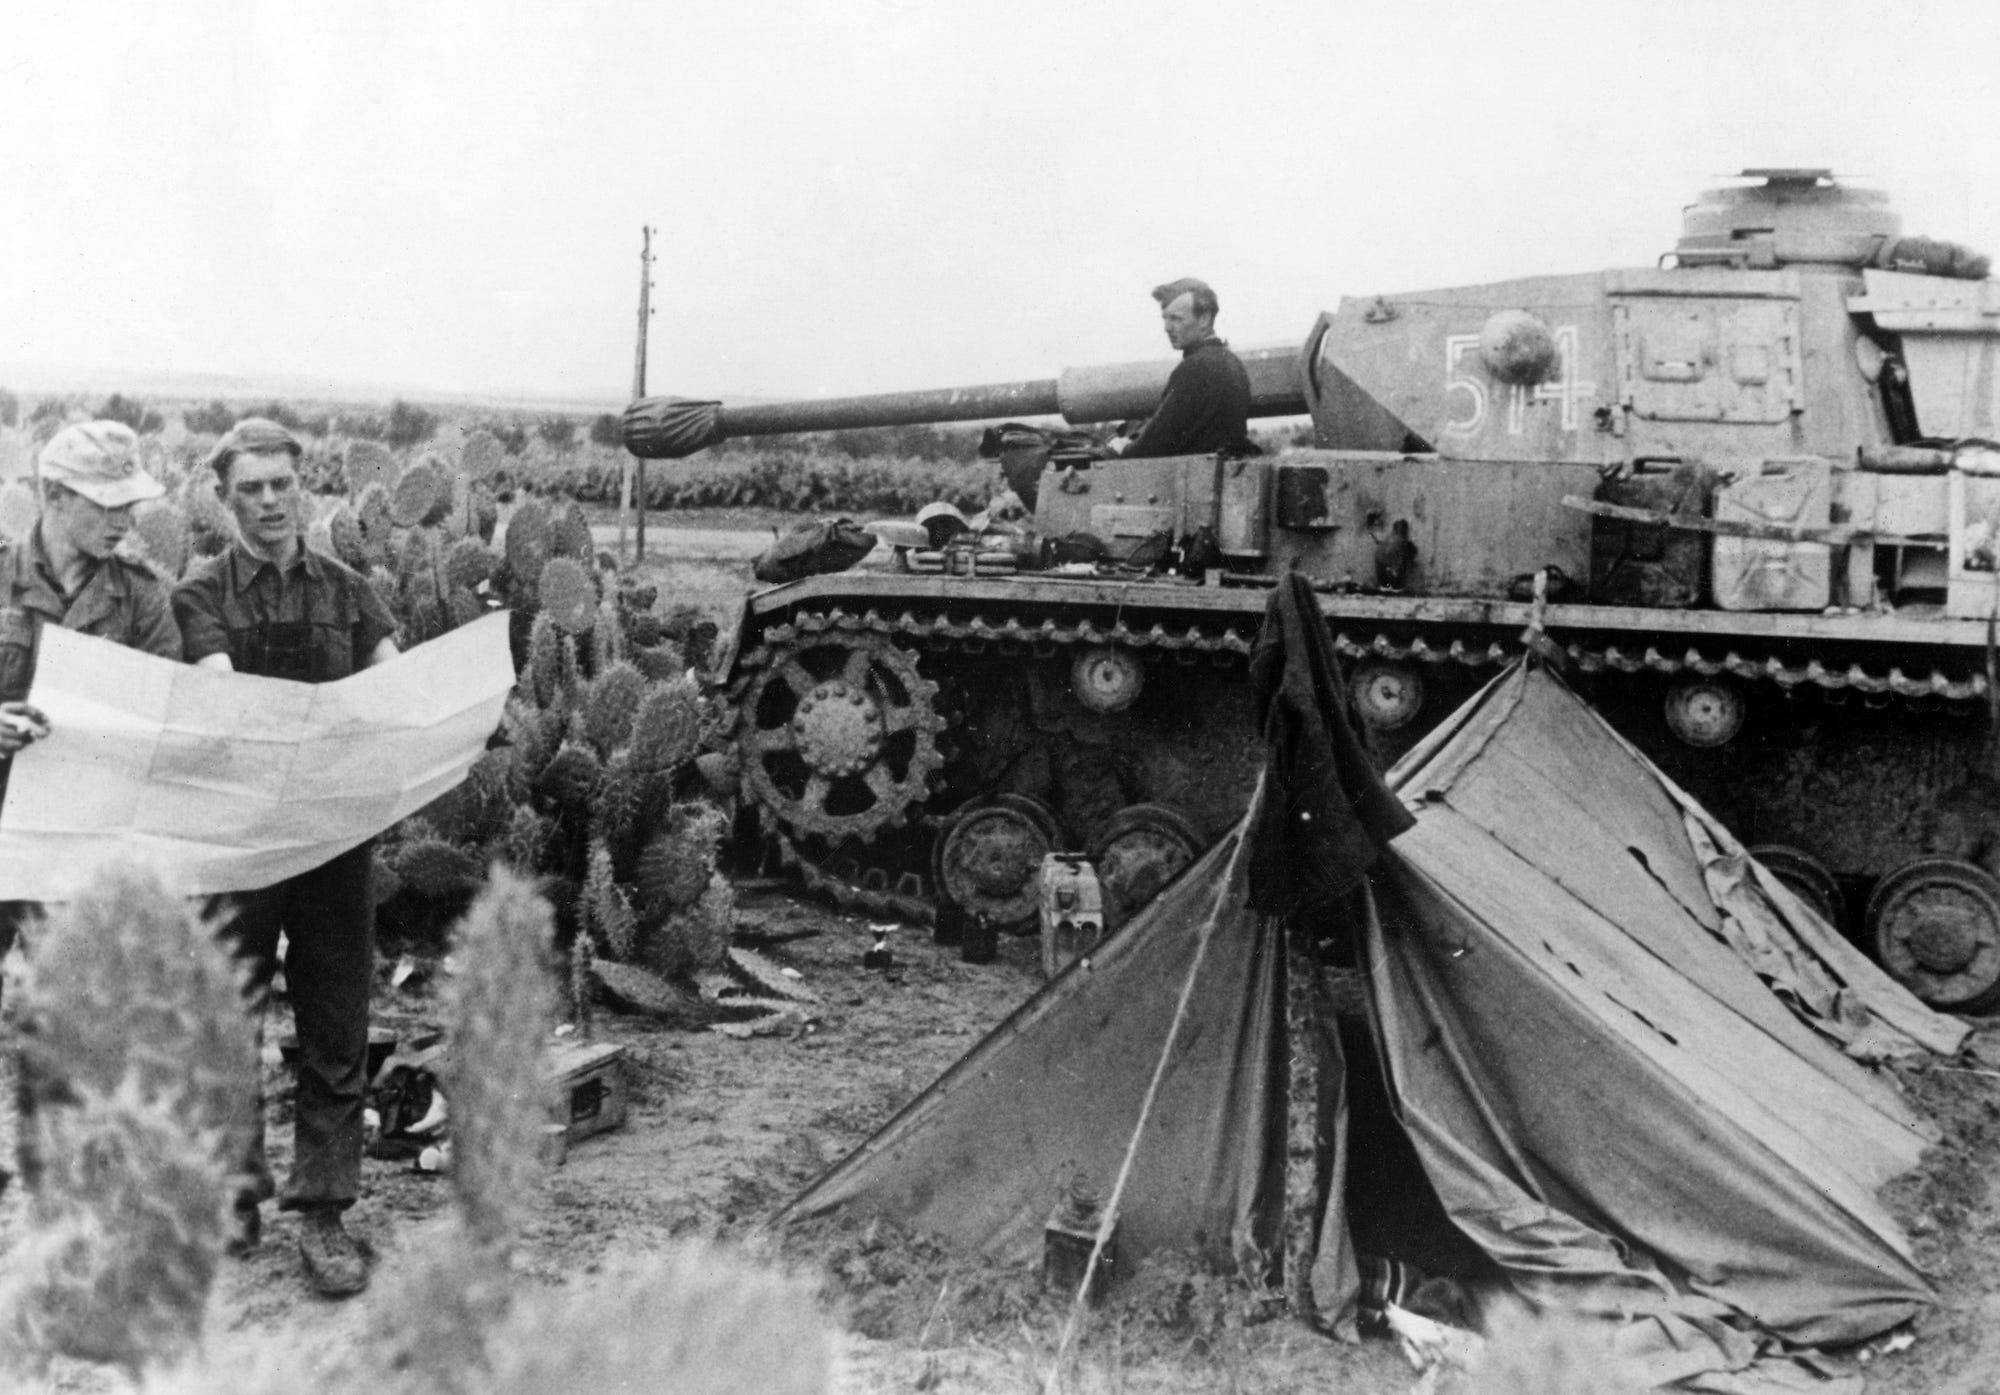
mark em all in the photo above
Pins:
pixel 1110 1217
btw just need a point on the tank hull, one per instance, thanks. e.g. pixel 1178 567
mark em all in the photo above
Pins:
pixel 1856 728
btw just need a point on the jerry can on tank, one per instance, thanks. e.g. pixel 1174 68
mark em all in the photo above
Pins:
pixel 1639 564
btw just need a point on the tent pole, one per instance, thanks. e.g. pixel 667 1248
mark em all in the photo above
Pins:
pixel 1110 1217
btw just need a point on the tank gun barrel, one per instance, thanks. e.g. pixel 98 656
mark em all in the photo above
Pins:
pixel 669 428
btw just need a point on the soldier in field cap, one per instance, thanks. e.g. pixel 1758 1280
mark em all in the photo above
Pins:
pixel 67 572
pixel 1207 401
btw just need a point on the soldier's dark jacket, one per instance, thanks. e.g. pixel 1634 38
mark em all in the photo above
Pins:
pixel 122 601
pixel 314 622
pixel 1206 406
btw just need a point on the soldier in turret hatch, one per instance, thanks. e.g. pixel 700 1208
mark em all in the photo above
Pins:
pixel 1207 400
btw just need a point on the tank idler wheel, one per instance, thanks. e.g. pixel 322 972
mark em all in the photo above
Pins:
pixel 990 861
pixel 1705 712
pixel 1387 695
pixel 1935 925
pixel 1141 849
pixel 838 737
pixel 1806 877
pixel 1105 679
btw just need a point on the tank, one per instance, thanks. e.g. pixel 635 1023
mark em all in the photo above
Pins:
pixel 1745 497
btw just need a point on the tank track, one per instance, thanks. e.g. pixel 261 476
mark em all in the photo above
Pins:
pixel 844 876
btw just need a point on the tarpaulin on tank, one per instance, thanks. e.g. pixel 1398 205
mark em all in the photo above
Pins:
pixel 1627 1062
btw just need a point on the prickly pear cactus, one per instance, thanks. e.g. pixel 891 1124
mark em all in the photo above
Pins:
pixel 568 595
pixel 134 1044
pixel 502 1006
pixel 124 980
pixel 125 1241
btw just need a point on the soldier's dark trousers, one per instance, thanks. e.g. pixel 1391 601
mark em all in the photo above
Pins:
pixel 328 917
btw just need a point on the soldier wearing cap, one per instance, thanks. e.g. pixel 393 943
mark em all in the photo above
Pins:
pixel 1206 405
pixel 68 572
pixel 273 607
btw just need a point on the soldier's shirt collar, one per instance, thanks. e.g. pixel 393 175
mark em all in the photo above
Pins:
pixel 247 564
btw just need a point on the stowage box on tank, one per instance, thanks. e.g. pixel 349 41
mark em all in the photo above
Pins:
pixel 1750 495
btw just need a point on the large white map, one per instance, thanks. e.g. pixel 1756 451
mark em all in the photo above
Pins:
pixel 226 782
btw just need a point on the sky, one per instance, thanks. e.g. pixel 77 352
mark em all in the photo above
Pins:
pixel 870 195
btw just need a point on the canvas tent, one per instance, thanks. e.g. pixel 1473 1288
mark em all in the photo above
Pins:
pixel 1632 1065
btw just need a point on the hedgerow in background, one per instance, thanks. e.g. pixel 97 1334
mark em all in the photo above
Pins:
pixel 771 478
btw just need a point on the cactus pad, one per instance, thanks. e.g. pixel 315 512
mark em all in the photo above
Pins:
pixel 610 912
pixel 468 564
pixel 661 662
pixel 434 868
pixel 482 455
pixel 528 540
pixel 569 781
pixel 568 595
pixel 464 607
pixel 129 1239
pixel 569 533
pixel 675 867
pixel 547 668
pixel 609 705
pixel 126 979
pixel 501 1005
pixel 667 729
pixel 525 842
pixel 416 494
pixel 343 528
pixel 367 463
pixel 607 637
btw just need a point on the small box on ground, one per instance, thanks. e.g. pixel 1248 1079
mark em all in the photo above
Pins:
pixel 1072 910
pixel 590 1088
pixel 1066 1250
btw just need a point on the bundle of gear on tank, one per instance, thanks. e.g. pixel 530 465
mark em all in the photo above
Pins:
pixel 812 548
pixel 1023 451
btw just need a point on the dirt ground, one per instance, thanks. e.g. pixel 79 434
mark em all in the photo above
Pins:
pixel 722 1130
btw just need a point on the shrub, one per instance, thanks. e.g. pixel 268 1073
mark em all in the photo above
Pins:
pixel 211 420
pixel 10 409
pixel 292 419
pixel 365 425
pixel 510 433
pixel 133 412
pixel 606 431
pixel 49 411
pixel 558 431
pixel 409 424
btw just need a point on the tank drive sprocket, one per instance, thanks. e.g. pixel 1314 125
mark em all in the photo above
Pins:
pixel 838 735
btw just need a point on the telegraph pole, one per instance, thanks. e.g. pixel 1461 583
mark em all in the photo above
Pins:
pixel 634 465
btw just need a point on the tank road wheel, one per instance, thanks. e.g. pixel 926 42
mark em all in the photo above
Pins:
pixel 990 863
pixel 1386 695
pixel 1807 878
pixel 1935 924
pixel 1704 712
pixel 838 736
pixel 1106 679
pixel 1144 847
